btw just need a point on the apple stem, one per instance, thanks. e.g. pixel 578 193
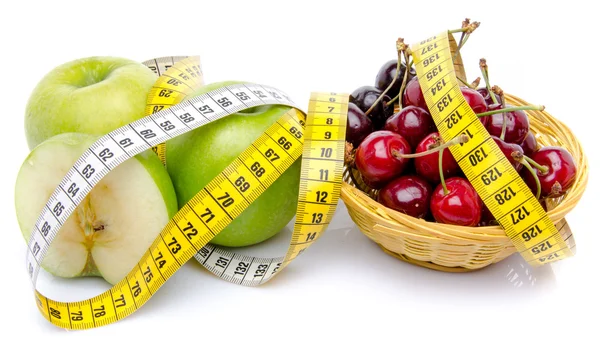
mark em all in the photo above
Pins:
pixel 525 162
pixel 400 47
pixel 543 169
pixel 441 169
pixel 457 140
pixel 512 109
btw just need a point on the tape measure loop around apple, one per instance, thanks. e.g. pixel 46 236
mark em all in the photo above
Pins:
pixel 485 166
pixel 188 233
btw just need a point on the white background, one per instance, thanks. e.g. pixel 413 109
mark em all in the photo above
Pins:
pixel 343 288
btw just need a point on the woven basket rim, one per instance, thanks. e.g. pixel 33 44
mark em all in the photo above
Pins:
pixel 357 198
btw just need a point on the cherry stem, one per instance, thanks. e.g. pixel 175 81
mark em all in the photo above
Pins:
pixel 404 82
pixel 486 78
pixel 511 109
pixel 462 29
pixel 498 91
pixel 541 168
pixel 400 47
pixel 472 85
pixel 441 168
pixel 464 82
pixel 466 29
pixel 457 140
pixel 461 41
pixel 461 44
pixel 503 132
pixel 525 162
pixel 467 35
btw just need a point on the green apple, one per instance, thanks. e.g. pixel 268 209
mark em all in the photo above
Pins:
pixel 92 95
pixel 196 157
pixel 113 226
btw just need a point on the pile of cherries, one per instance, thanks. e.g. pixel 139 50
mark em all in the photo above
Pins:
pixel 394 147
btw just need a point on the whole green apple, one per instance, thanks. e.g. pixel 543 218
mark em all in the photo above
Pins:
pixel 196 157
pixel 113 226
pixel 92 95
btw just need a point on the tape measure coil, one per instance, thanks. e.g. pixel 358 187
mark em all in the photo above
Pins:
pixel 455 248
pixel 187 234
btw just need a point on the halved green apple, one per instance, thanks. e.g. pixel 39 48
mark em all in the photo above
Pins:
pixel 113 226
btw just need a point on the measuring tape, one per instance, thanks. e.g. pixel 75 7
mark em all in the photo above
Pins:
pixel 317 137
pixel 178 76
pixel 498 184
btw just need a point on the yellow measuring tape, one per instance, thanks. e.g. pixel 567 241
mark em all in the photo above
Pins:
pixel 498 184
pixel 317 137
pixel 178 76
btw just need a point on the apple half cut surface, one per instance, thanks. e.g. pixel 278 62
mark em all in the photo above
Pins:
pixel 113 225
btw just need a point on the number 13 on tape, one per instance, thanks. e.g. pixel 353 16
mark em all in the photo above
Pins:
pixel 317 137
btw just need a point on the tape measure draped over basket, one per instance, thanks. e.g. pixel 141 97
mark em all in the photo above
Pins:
pixel 317 137
pixel 508 198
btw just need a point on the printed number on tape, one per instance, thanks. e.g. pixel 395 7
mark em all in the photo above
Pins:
pixel 188 233
pixel 484 164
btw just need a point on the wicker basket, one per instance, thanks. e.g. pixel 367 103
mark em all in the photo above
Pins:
pixel 457 248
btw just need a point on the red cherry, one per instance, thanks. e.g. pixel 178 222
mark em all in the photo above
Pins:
pixel 413 123
pixel 476 102
pixel 358 125
pixel 487 218
pixel 409 194
pixel 517 125
pixel 529 145
pixel 508 149
pixel 386 74
pixel 560 174
pixel 474 99
pixel 486 95
pixel 428 166
pixel 460 206
pixel 365 97
pixel 494 107
pixel 413 96
pixel 486 119
pixel 377 160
